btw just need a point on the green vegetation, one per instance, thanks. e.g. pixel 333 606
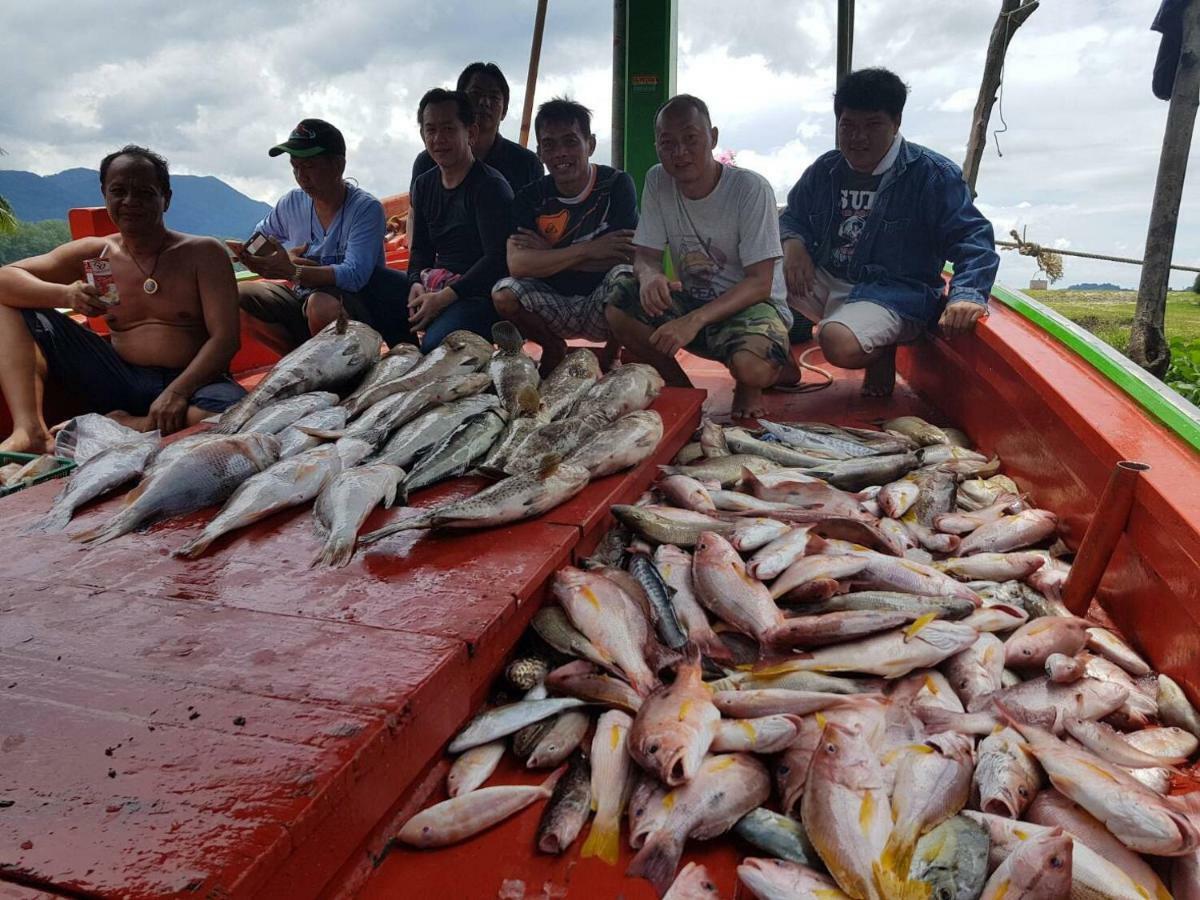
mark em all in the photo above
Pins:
pixel 32 238
pixel 1108 315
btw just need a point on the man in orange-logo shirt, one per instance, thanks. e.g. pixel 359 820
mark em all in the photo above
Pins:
pixel 574 233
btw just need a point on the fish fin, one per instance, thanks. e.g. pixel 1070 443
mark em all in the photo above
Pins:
pixel 343 320
pixel 493 472
pixel 393 490
pixel 528 402
pixel 324 434
pixel 507 337
pixel 896 885
pixel 102 533
pixel 422 520
pixel 603 841
pixel 549 465
pixel 657 860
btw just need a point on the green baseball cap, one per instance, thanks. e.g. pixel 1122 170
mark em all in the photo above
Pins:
pixel 311 137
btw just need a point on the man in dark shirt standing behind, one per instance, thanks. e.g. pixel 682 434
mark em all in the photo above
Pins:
pixel 487 89
pixel 461 218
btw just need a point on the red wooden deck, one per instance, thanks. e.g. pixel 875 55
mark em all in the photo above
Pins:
pixel 236 726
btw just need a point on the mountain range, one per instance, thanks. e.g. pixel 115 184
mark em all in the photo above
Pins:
pixel 200 204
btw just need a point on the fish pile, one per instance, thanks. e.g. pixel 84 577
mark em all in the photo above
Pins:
pixel 16 474
pixel 848 649
pixel 337 425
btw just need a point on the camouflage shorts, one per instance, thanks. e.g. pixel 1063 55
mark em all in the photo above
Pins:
pixel 758 328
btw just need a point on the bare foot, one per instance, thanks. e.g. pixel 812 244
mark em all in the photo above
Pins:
pixel 22 441
pixel 137 423
pixel 608 354
pixel 879 378
pixel 790 377
pixel 552 355
pixel 747 403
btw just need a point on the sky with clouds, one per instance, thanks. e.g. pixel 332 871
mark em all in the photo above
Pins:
pixel 212 86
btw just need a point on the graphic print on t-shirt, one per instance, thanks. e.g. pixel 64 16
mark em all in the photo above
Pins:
pixel 699 266
pixel 857 197
pixel 553 226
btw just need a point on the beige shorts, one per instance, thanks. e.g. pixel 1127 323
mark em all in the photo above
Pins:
pixel 873 324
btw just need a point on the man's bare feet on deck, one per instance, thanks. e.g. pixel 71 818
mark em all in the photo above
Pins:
pixel 879 378
pixel 137 423
pixel 22 441
pixel 747 403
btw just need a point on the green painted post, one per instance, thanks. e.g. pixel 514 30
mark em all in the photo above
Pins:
pixel 650 40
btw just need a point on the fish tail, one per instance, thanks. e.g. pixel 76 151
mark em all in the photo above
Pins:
pixel 410 524
pixel 657 860
pixel 507 337
pixel 603 841
pixel 336 553
pixel 102 533
pixel 897 852
pixel 195 547
pixel 58 518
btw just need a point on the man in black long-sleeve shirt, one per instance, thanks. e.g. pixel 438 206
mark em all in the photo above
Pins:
pixel 462 217
pixel 487 89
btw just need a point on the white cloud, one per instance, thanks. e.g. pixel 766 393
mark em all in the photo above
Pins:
pixel 1079 155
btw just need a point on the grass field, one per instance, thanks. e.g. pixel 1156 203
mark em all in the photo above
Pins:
pixel 1108 315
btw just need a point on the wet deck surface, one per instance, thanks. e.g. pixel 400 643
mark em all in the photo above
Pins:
pixel 235 726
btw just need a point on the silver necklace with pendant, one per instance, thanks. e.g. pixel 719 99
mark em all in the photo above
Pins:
pixel 150 286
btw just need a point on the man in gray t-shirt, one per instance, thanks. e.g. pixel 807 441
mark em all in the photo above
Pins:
pixel 730 303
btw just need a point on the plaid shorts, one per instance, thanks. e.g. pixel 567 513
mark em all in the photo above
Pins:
pixel 758 328
pixel 568 316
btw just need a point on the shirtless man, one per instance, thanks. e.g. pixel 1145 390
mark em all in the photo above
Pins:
pixel 174 327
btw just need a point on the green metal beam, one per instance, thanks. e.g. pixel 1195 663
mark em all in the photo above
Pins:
pixel 650 40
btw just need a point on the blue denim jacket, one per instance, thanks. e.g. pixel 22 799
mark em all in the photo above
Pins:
pixel 923 216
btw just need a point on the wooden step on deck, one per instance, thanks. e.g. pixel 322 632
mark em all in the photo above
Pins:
pixel 236 726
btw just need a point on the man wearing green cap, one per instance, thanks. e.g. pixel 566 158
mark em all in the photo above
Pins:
pixel 335 232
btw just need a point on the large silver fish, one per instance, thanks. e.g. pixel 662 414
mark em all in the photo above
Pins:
pixel 388 414
pixel 282 413
pixel 559 438
pixel 289 482
pixel 624 443
pixel 519 427
pixel 461 353
pixel 101 473
pixel 344 504
pixel 513 373
pixel 623 390
pixel 457 451
pixel 328 360
pixel 396 363
pixel 292 440
pixel 427 429
pixel 510 500
pixel 201 474
pixel 570 380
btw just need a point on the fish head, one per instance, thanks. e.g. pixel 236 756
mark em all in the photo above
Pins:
pixel 668 753
pixel 1042 866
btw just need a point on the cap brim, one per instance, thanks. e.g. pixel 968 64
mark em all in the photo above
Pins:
pixel 302 152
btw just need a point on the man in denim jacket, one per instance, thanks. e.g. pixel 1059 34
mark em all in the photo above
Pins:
pixel 867 230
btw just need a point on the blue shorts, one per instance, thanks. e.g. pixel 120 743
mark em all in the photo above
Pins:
pixel 87 365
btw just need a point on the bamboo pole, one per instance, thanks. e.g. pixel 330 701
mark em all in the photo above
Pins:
pixel 535 55
pixel 1147 343
pixel 617 159
pixel 1013 14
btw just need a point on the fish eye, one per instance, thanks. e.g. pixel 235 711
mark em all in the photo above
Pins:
pixel 1056 862
pixel 1023 791
pixel 1027 652
pixel 653 749
pixel 831 748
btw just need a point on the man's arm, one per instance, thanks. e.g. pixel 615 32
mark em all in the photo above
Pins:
pixel 219 304
pixel 754 288
pixel 966 240
pixel 53 280
pixel 797 237
pixel 363 251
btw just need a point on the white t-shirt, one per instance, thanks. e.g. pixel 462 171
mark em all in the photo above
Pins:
pixel 713 239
